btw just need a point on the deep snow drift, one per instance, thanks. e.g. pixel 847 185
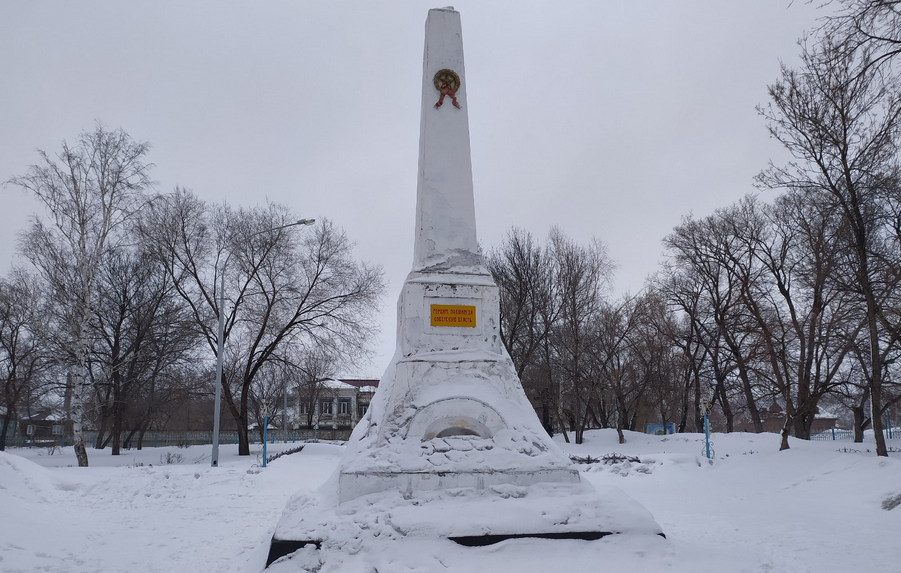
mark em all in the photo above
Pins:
pixel 817 507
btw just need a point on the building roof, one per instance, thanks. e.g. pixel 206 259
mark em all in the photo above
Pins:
pixel 361 385
pixel 361 382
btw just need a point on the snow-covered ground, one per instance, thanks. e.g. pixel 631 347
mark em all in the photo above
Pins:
pixel 812 508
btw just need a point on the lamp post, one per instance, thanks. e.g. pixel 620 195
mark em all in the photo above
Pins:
pixel 705 408
pixel 215 458
pixel 265 427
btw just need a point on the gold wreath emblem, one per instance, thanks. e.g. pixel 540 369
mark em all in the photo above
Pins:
pixel 447 78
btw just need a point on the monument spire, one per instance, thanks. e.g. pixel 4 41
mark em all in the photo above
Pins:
pixel 445 211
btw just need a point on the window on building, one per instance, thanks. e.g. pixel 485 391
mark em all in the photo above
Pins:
pixel 344 406
pixel 304 407
pixel 325 407
pixel 361 409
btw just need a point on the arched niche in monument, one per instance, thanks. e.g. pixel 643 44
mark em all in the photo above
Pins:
pixel 455 416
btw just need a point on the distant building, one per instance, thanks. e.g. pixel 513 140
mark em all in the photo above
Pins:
pixel 336 404
pixel 773 419
pixel 42 427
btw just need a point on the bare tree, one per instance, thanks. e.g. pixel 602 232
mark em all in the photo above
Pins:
pixel 840 117
pixel 683 297
pixel 22 354
pixel 806 323
pixel 614 358
pixel 525 272
pixel 90 190
pixel 662 363
pixel 140 328
pixel 582 276
pixel 287 288
pixel 311 369
pixel 870 25
pixel 708 255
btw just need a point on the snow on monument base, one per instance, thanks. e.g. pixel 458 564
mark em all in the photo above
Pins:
pixel 470 516
pixel 451 449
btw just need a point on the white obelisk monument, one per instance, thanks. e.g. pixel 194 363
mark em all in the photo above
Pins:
pixel 450 430
pixel 450 410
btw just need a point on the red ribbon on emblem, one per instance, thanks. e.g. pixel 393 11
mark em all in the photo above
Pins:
pixel 447 91
pixel 447 82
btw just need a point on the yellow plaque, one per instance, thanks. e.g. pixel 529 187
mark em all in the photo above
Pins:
pixel 453 315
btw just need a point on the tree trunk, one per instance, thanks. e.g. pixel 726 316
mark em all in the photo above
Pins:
pixel 752 406
pixel 786 427
pixel 546 415
pixel 803 422
pixel 727 410
pixel 620 420
pixel 579 425
pixel 81 388
pixel 141 434
pixel 699 419
pixel 238 412
pixel 562 425
pixel 594 417
pixel 117 418
pixel 128 439
pixel 860 416
pixel 82 383
pixel 683 409
pixel 746 387
pixel 4 429
pixel 876 420
pixel 243 441
pixel 100 440
pixel 605 415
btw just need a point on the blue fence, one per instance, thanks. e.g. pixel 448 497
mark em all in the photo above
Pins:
pixel 833 435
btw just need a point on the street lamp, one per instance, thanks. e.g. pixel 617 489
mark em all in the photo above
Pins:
pixel 215 461
pixel 265 427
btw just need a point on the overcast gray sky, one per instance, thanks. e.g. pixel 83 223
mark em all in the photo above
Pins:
pixel 610 119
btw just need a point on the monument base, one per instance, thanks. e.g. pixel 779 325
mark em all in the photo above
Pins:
pixel 469 516
pixel 366 483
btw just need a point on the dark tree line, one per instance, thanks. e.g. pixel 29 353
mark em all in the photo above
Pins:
pixel 793 299
pixel 575 350
pixel 116 319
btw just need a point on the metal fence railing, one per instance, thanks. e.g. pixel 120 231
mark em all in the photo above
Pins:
pixel 834 434
pixel 184 439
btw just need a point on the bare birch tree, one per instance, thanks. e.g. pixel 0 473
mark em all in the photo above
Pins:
pixel 90 190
